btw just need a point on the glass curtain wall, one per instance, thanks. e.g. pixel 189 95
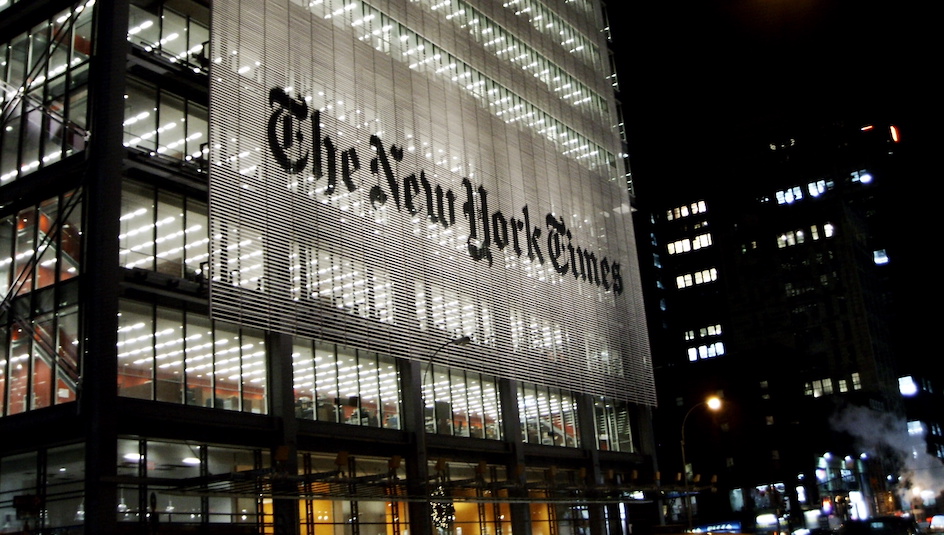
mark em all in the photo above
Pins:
pixel 613 425
pixel 44 97
pixel 162 231
pixel 160 122
pixel 57 474
pixel 548 416
pixel 335 383
pixel 330 517
pixel 40 256
pixel 167 354
pixel 461 403
pixel 165 466
pixel 479 511
pixel 179 35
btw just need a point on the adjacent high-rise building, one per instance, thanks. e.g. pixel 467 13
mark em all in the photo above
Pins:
pixel 330 266
pixel 771 282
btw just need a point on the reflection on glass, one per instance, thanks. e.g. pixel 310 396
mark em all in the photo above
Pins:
pixel 548 416
pixel 461 403
pixel 176 356
pixel 334 383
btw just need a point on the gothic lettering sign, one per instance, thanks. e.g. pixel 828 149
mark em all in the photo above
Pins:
pixel 364 191
pixel 416 194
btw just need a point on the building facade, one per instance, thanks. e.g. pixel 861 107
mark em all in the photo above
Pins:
pixel 317 267
pixel 773 285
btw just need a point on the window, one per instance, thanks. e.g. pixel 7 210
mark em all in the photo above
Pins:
pixel 334 383
pixel 45 71
pixel 40 256
pixel 150 467
pixel 711 330
pixel 789 195
pixel 861 176
pixel 181 357
pixel 798 236
pixel 41 245
pixel 689 244
pixel 548 416
pixel 679 212
pixel 176 37
pixel 706 351
pixel 699 277
pixel 161 123
pixel 819 387
pixel 916 429
pixel 613 425
pixel 342 282
pixel 680 246
pixel 791 238
pixel 815 189
pixel 163 232
pixel 461 403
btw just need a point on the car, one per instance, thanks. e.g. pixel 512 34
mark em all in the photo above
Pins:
pixel 936 524
pixel 881 525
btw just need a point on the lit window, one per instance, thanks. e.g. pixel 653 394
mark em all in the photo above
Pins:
pixel 789 195
pixel 880 257
pixel 712 330
pixel 820 387
pixel 686 245
pixel 702 240
pixel 862 176
pixel 893 130
pixel 817 388
pixel 706 351
pixel 916 429
pixel 679 212
pixel 907 386
pixel 699 277
pixel 680 246
pixel 856 381
pixel 817 188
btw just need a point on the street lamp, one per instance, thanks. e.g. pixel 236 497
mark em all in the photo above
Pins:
pixel 713 403
pixel 422 453
pixel 461 341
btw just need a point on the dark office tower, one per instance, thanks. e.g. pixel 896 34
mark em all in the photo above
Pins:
pixel 771 283
pixel 317 267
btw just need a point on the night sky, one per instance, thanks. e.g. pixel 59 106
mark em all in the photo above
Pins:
pixel 693 72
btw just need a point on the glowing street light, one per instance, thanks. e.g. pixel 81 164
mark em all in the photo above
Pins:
pixel 714 404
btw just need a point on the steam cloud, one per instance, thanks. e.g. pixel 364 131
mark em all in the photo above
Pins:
pixel 876 431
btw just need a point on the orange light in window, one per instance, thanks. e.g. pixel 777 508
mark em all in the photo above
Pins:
pixel 896 136
pixel 866 128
